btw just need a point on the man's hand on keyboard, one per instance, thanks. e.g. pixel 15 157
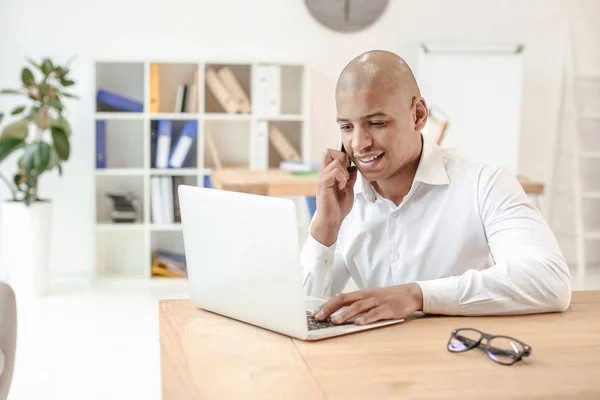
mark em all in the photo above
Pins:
pixel 394 302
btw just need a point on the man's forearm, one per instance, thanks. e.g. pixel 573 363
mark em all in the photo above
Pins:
pixel 325 232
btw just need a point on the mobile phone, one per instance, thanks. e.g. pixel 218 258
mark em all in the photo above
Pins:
pixel 343 150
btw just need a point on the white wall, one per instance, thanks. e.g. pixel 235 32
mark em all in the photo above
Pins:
pixel 270 29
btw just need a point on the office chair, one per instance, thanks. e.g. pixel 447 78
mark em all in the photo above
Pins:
pixel 8 337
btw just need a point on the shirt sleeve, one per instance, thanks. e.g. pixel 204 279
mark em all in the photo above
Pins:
pixel 529 274
pixel 324 271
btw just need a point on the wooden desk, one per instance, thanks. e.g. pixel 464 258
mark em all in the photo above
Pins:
pixel 206 356
pixel 275 182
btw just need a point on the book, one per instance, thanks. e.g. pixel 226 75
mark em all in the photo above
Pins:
pixel 184 144
pixel 115 102
pixel 300 167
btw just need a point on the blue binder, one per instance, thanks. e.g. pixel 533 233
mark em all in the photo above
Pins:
pixel 118 102
pixel 100 144
pixel 184 144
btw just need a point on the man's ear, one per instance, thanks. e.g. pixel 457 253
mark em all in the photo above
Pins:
pixel 420 114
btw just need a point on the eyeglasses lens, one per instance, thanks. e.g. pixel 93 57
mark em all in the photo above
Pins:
pixel 504 350
pixel 464 339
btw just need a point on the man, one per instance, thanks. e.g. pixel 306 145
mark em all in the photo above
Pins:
pixel 425 228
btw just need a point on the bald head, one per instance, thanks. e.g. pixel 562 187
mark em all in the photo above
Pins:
pixel 378 69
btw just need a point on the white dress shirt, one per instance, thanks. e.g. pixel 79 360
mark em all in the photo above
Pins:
pixel 465 232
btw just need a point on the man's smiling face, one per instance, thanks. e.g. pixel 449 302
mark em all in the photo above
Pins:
pixel 377 126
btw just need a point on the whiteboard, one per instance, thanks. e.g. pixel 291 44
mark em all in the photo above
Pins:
pixel 479 89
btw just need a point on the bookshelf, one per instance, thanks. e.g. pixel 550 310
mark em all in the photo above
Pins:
pixel 185 98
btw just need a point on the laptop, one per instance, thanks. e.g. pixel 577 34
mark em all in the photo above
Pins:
pixel 243 259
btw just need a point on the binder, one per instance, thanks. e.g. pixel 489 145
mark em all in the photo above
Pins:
pixel 184 144
pixel 259 92
pixel 163 143
pixel 154 88
pixel 157 217
pixel 259 142
pixel 282 145
pixel 117 102
pixel 166 188
pixel 180 100
pixel 212 149
pixel 100 144
pixel 273 95
pixel 220 91
pixel 234 87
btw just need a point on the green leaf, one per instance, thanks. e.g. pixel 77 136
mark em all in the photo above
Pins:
pixel 16 130
pixel 1 116
pixel 53 160
pixel 60 73
pixel 56 104
pixel 66 82
pixel 61 123
pixel 60 170
pixel 34 115
pixel 36 157
pixel 38 66
pixel 61 143
pixel 44 89
pixel 11 91
pixel 7 146
pixel 18 110
pixel 47 66
pixel 27 77
pixel 69 95
pixel 18 180
pixel 28 199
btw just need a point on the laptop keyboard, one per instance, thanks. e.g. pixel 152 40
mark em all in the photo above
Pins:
pixel 313 324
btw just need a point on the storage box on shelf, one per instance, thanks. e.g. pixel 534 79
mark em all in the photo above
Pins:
pixel 162 123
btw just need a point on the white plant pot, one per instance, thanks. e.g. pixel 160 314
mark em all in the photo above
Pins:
pixel 25 246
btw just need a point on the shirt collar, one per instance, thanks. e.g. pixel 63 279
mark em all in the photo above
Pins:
pixel 431 170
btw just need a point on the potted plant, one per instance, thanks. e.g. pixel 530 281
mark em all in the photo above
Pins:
pixel 39 137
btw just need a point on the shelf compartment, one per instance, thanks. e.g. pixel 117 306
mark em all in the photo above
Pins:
pixel 174 88
pixel 120 86
pixel 227 89
pixel 132 185
pixel 229 142
pixel 176 129
pixel 292 132
pixel 167 254
pixel 119 144
pixel 118 253
pixel 164 199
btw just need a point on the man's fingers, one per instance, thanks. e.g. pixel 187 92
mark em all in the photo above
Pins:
pixel 376 314
pixel 356 308
pixel 334 174
pixel 331 155
pixel 339 301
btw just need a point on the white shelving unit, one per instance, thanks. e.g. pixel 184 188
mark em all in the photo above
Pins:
pixel 124 250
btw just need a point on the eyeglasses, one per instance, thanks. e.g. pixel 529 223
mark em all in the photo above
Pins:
pixel 501 349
